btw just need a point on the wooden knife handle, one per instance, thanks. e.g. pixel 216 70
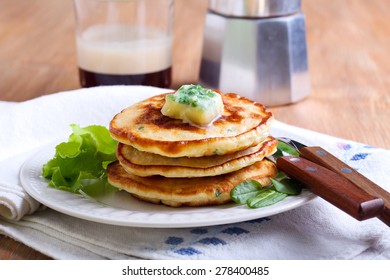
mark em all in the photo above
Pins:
pixel 326 159
pixel 332 187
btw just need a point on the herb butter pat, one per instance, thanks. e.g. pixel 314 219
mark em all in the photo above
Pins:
pixel 193 104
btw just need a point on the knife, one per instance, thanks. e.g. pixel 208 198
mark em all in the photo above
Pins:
pixel 336 182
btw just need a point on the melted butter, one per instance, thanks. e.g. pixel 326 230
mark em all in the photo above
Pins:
pixel 194 104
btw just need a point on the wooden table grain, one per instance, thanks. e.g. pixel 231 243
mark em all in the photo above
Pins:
pixel 349 61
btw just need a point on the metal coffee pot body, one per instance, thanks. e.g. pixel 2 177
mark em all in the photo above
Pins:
pixel 256 49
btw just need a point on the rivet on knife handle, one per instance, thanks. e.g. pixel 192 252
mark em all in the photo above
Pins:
pixel 332 187
pixel 326 159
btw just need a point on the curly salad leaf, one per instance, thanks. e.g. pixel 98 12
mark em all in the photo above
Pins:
pixel 79 165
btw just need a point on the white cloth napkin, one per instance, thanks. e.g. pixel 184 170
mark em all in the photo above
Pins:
pixel 316 230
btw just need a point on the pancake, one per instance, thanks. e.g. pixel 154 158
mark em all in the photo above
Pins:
pixel 132 155
pixel 243 124
pixel 191 167
pixel 177 192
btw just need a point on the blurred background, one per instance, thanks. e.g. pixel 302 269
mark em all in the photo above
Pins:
pixel 348 52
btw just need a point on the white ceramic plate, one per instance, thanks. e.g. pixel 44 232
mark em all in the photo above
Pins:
pixel 122 209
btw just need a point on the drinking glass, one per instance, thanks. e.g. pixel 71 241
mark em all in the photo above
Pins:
pixel 124 42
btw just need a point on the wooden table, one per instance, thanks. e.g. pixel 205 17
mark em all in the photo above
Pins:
pixel 349 61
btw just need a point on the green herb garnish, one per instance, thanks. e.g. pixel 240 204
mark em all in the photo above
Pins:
pixel 252 193
pixel 79 165
pixel 266 198
pixel 245 190
pixel 192 95
pixel 284 148
pixel 287 186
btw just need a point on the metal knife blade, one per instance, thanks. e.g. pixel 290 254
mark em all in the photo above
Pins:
pixel 336 182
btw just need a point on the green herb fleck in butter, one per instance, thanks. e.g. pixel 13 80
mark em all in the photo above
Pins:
pixel 193 104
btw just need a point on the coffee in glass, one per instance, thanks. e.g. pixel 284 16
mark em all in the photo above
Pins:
pixel 124 42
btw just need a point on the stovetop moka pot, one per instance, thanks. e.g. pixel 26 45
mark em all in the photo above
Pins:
pixel 256 48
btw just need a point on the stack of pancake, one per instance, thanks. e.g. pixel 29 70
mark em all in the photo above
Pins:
pixel 165 160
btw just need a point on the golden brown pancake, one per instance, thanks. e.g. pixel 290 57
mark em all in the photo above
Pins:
pixel 134 156
pixel 178 192
pixel 181 167
pixel 243 124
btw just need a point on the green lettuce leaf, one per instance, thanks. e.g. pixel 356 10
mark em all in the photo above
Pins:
pixel 79 165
